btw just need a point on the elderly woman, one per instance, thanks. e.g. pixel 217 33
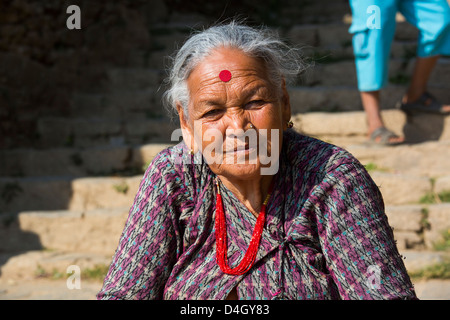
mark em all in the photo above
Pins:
pixel 230 215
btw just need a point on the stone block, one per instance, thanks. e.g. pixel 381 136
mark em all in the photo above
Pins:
pixel 94 231
pixel 126 100
pixel 334 35
pixel 439 221
pixel 105 159
pixel 109 192
pixel 405 31
pixel 93 105
pixel 401 188
pixel 405 217
pixel 417 260
pixel 331 124
pixel 151 130
pixel 422 127
pixel 132 79
pixel 330 74
pixel 408 240
pixel 315 99
pixel 442 183
pixel 33 163
pixel 13 238
pixel 73 162
pixel 34 193
pixel 403 49
pixel 144 154
pixel 303 35
pixel 26 266
pixel 54 132
pixel 348 123
pixel 427 159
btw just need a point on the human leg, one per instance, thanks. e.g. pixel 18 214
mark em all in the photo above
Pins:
pixel 432 18
pixel 371 48
pixel 376 129
pixel 419 80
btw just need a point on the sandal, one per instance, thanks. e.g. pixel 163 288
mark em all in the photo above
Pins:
pixel 426 103
pixel 382 137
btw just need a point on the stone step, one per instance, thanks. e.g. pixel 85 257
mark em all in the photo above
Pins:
pixel 90 231
pixel 122 127
pixel 78 162
pixel 97 231
pixel 328 33
pixel 416 260
pixel 334 35
pixel 427 159
pixel 42 288
pixel 405 173
pixel 109 79
pixel 323 42
pixel 40 264
pixel 132 79
pixel 103 131
pixel 347 98
pixel 419 226
pixel 420 127
pixel 59 193
pixel 43 275
pixel 54 193
pixel 119 103
pixel 400 71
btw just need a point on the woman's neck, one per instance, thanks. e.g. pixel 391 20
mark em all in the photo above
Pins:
pixel 251 193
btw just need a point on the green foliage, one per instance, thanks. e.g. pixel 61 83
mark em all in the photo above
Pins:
pixel 444 244
pixel 98 272
pixel 121 187
pixel 436 271
pixel 432 197
pixel 371 167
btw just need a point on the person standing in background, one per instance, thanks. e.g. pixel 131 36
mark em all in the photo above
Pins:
pixel 372 43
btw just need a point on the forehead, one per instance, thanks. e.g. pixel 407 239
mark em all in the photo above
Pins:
pixel 243 68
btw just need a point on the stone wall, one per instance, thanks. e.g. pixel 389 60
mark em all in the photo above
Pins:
pixel 43 63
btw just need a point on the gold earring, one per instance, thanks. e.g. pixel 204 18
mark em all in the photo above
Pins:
pixel 290 124
pixel 191 152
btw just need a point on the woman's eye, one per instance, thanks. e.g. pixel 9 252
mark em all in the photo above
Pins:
pixel 211 113
pixel 254 103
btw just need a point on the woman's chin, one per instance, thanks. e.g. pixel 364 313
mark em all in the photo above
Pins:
pixel 238 171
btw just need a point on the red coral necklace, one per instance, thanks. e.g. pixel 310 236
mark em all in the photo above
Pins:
pixel 221 237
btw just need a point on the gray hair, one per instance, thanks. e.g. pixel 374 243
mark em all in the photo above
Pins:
pixel 282 61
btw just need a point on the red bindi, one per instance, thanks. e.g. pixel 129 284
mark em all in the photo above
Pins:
pixel 225 75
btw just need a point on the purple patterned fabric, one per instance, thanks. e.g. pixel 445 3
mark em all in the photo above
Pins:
pixel 326 234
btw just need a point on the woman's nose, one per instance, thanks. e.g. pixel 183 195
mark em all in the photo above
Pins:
pixel 238 121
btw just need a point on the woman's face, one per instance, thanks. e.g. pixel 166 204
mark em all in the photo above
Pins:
pixel 221 112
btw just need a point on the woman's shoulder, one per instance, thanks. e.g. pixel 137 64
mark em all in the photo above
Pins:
pixel 170 156
pixel 176 162
pixel 315 154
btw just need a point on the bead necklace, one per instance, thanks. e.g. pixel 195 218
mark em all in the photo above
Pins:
pixel 221 237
